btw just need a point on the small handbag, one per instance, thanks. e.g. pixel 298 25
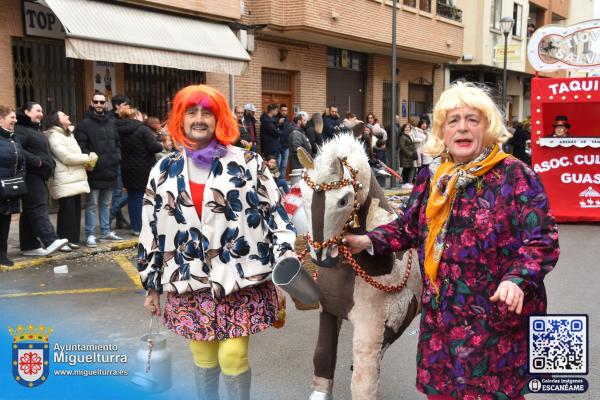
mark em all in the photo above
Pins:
pixel 11 187
pixel 16 185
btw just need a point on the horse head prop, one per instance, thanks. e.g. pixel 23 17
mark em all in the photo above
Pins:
pixel 379 294
pixel 334 188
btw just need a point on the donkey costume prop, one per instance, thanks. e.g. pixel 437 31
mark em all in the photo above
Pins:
pixel 340 194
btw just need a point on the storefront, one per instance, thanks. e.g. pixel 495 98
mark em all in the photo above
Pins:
pixel 64 52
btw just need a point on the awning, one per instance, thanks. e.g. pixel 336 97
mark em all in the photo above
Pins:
pixel 116 33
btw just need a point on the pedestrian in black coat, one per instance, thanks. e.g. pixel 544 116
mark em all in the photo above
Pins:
pixel 35 146
pixel 138 147
pixel 269 132
pixel 98 133
pixel 285 128
pixel 37 236
pixel 331 121
pixel 12 164
pixel 519 143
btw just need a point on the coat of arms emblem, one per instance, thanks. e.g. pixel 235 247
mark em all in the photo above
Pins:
pixel 30 354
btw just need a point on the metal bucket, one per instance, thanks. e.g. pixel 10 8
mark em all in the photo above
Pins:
pixel 295 176
pixel 289 275
pixel 153 362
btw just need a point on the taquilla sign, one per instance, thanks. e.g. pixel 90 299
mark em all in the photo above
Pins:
pixel 554 47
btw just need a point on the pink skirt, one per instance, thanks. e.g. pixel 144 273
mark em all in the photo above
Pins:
pixel 198 316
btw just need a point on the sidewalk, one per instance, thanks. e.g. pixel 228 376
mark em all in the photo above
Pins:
pixel 15 254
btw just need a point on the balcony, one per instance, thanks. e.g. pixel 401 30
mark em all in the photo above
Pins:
pixel 449 11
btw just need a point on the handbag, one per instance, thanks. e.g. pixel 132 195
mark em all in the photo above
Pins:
pixel 16 185
pixel 11 187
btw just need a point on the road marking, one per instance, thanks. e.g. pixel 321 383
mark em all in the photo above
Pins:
pixel 129 269
pixel 74 291
pixel 83 252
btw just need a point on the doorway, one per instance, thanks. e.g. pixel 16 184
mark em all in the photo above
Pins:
pixel 278 88
pixel 45 75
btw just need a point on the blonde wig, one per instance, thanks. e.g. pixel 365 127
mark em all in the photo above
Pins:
pixel 465 94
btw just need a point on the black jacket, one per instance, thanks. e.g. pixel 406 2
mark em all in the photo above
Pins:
pixel 329 125
pixel 244 134
pixel 316 139
pixel 519 143
pixel 284 131
pixel 98 134
pixel 35 146
pixel 269 136
pixel 297 139
pixel 138 146
pixel 11 159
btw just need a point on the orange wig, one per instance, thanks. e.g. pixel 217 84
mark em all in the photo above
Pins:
pixel 226 130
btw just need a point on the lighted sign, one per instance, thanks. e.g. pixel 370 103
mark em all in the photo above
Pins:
pixel 577 47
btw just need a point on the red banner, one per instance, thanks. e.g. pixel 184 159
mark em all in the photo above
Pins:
pixel 569 166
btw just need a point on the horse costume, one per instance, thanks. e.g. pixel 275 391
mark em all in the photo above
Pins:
pixel 380 295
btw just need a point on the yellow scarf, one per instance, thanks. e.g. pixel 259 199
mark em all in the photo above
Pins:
pixel 448 179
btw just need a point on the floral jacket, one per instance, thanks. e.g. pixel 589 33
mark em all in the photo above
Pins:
pixel 243 231
pixel 500 228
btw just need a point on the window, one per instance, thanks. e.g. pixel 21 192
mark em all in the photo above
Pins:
pixel 420 99
pixel 425 5
pixel 496 14
pixel 518 17
pixel 151 88
pixel 346 59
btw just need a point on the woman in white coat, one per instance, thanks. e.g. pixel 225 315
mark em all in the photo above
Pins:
pixel 70 178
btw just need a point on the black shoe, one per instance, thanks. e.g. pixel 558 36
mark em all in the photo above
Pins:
pixel 122 223
pixel 6 262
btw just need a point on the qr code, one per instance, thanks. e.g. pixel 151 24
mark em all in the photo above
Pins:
pixel 558 344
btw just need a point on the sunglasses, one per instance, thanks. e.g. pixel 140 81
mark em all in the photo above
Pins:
pixel 98 101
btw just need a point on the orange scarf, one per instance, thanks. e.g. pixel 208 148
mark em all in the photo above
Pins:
pixel 448 179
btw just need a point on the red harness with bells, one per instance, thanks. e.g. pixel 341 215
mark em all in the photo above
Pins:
pixel 352 222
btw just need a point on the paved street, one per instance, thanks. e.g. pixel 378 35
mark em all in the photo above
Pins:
pixel 98 302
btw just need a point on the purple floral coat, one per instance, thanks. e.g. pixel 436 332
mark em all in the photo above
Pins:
pixel 501 228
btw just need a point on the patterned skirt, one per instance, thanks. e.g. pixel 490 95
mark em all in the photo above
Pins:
pixel 198 316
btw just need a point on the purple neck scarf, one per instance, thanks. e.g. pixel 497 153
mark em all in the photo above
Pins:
pixel 203 158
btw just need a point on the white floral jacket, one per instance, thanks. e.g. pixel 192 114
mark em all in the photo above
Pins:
pixel 244 228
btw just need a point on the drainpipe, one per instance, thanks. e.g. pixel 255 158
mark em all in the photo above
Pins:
pixel 231 92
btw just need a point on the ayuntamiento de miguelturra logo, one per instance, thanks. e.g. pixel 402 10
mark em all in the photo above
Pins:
pixel 30 354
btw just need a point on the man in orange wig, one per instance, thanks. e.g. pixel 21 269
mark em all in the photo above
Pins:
pixel 213 227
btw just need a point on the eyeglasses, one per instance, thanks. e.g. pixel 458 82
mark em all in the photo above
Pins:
pixel 99 101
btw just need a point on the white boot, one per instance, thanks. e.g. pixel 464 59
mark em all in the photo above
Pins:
pixel 207 383
pixel 238 386
pixel 316 395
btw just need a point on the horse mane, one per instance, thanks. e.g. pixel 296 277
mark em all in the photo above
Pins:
pixel 343 145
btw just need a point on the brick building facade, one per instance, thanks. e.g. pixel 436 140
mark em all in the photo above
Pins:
pixel 298 36
pixel 305 51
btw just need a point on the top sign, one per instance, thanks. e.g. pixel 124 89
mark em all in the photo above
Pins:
pixel 41 21
pixel 576 47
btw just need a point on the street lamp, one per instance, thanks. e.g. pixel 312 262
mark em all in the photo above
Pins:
pixel 393 116
pixel 507 25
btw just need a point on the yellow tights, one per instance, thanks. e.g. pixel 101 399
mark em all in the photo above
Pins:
pixel 230 354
